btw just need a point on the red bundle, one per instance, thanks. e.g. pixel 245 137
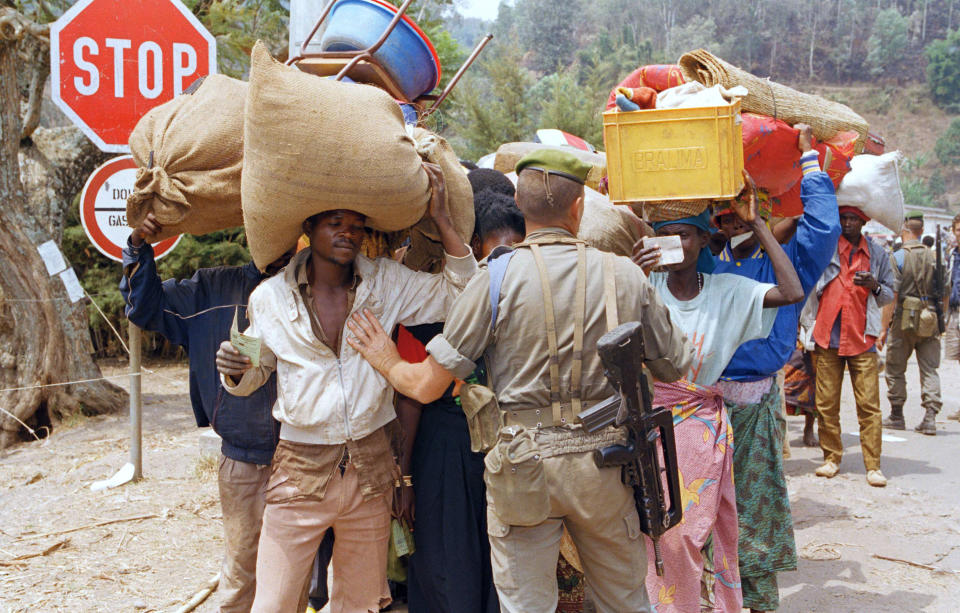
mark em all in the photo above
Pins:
pixel 655 76
pixel 770 153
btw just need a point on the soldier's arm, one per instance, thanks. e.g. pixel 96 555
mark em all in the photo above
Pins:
pixel 466 334
pixel 422 381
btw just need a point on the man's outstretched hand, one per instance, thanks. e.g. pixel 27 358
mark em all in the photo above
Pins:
pixel 372 342
pixel 147 230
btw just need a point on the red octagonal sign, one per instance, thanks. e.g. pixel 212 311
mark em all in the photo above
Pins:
pixel 111 61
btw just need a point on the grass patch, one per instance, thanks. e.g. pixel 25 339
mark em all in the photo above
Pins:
pixel 206 467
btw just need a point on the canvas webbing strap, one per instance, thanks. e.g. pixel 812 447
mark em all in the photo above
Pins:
pixel 610 291
pixel 551 321
pixel 579 313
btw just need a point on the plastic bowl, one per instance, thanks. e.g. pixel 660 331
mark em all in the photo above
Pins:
pixel 407 55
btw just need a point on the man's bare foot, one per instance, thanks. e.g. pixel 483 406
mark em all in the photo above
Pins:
pixel 810 439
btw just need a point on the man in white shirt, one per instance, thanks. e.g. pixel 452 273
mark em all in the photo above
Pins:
pixel 335 465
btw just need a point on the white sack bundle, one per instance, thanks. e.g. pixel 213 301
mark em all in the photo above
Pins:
pixel 873 186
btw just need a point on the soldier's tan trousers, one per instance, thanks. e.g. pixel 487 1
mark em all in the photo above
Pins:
pixel 598 511
pixel 899 347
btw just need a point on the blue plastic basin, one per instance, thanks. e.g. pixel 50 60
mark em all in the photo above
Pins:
pixel 407 55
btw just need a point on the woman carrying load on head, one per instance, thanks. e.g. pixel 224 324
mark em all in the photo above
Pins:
pixel 718 312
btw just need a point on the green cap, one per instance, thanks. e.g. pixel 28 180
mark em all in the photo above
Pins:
pixel 555 162
pixel 914 215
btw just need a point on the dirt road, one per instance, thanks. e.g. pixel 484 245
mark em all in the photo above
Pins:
pixel 52 556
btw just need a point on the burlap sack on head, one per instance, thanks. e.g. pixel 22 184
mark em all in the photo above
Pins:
pixel 508 154
pixel 769 98
pixel 606 226
pixel 313 145
pixel 426 251
pixel 192 182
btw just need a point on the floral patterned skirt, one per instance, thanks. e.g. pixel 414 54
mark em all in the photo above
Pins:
pixel 700 554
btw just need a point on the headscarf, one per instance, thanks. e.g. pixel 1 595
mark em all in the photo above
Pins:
pixel 854 211
pixel 705 262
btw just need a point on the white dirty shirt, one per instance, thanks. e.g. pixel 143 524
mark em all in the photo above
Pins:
pixel 323 399
pixel 726 313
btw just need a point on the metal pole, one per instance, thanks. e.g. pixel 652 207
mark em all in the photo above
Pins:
pixel 456 78
pixel 136 403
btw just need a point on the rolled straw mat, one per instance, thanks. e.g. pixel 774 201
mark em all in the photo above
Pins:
pixel 769 98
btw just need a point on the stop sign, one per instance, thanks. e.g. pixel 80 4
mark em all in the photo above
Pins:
pixel 111 61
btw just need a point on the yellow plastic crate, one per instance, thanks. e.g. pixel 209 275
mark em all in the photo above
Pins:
pixel 674 154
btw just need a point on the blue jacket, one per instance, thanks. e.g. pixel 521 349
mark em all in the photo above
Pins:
pixel 179 311
pixel 810 250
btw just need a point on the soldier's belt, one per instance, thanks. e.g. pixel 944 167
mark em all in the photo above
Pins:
pixel 540 418
pixel 543 417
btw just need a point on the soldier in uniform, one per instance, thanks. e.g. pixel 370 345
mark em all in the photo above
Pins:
pixel 535 314
pixel 913 328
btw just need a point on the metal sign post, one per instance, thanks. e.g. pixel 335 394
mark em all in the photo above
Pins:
pixel 132 470
pixel 136 403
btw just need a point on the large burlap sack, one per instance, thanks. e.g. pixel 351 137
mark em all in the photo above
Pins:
pixel 609 227
pixel 767 97
pixel 189 152
pixel 314 145
pixel 426 251
pixel 508 154
pixel 873 186
pixel 605 226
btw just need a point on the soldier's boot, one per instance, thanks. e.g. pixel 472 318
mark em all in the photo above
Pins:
pixel 895 421
pixel 929 424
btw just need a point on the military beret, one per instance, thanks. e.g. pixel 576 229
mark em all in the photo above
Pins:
pixel 914 215
pixel 555 162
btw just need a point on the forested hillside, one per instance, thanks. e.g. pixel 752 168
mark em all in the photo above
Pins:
pixel 552 64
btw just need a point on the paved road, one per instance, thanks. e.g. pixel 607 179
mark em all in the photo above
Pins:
pixel 841 523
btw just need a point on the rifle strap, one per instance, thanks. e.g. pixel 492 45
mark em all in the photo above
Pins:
pixel 610 291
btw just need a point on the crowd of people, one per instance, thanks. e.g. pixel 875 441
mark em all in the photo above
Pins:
pixel 359 414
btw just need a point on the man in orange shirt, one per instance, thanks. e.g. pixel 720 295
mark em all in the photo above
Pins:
pixel 856 285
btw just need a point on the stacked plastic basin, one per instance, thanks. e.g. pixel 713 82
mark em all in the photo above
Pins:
pixel 407 55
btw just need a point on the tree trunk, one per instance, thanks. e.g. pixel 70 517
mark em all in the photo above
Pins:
pixel 813 38
pixel 44 339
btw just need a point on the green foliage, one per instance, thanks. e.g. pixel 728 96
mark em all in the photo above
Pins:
pixel 698 32
pixel 237 25
pixel 887 43
pixel 948 145
pixel 497 109
pixel 547 29
pixel 918 191
pixel 566 106
pixel 943 70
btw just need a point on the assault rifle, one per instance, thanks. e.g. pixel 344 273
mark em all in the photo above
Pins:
pixel 622 353
pixel 938 285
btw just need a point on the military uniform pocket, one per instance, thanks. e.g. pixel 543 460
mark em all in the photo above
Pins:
pixel 515 480
pixel 482 411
